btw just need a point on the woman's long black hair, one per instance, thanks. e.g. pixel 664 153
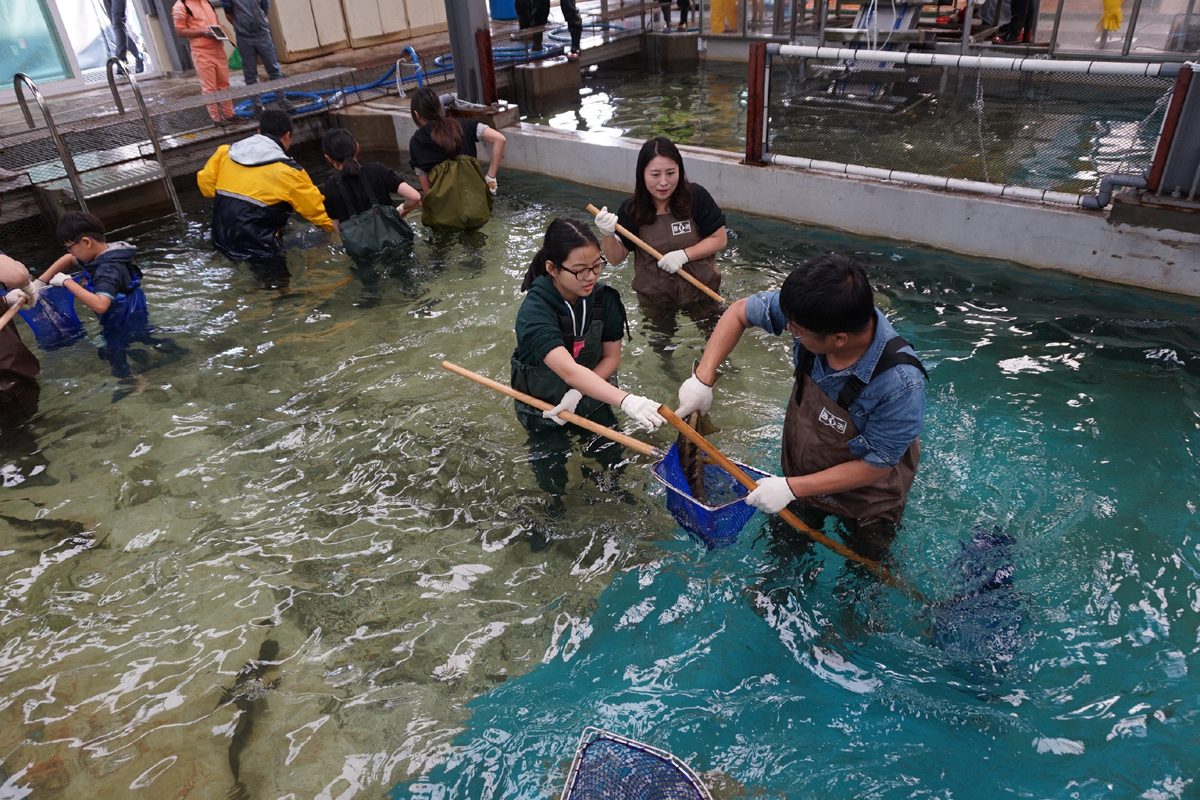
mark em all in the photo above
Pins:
pixel 562 236
pixel 642 208
pixel 446 133
pixel 339 145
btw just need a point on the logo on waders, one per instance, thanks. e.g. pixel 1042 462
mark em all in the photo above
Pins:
pixel 577 347
pixel 837 423
pixel 680 228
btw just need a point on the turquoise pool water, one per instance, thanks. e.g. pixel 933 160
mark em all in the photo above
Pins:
pixel 307 486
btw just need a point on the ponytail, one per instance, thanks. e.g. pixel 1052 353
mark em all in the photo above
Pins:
pixel 446 133
pixel 339 145
pixel 563 235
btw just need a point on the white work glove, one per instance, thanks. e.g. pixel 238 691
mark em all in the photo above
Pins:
pixel 673 261
pixel 568 403
pixel 493 187
pixel 694 395
pixel 59 278
pixel 32 291
pixel 772 495
pixel 643 410
pixel 606 221
pixel 17 298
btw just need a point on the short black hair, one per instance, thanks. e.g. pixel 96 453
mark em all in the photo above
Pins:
pixel 275 123
pixel 74 225
pixel 829 294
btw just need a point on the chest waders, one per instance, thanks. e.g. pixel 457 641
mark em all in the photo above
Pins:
pixel 586 346
pixel 816 436
pixel 662 288
pixel 127 312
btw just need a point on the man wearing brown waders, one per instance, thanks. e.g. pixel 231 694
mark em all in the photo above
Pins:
pixel 851 434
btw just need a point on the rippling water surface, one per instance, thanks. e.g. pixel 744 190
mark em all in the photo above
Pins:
pixel 308 490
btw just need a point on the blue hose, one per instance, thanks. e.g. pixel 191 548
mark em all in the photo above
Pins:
pixel 563 35
pixel 501 54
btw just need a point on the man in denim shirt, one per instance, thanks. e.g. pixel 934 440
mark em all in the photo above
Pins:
pixel 851 432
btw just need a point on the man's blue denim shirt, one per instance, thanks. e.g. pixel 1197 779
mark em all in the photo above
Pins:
pixel 890 412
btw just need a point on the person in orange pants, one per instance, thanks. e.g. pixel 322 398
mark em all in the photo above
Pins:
pixel 193 19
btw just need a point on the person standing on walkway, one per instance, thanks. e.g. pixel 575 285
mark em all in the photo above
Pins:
pixel 249 18
pixel 116 11
pixel 193 21
pixel 535 13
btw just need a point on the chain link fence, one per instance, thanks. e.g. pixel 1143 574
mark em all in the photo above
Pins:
pixel 1056 131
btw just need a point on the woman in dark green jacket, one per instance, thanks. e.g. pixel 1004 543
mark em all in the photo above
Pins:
pixel 569 331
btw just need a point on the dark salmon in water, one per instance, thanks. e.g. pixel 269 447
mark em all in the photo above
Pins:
pixel 691 459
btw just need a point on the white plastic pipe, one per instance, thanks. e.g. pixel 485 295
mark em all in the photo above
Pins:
pixel 978 62
pixel 934 181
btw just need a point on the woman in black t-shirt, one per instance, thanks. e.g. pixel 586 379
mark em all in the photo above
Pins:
pixel 439 140
pixel 364 183
pixel 674 216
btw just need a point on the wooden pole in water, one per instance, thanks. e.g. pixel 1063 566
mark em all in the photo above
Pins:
pixel 583 422
pixel 788 517
pixel 687 276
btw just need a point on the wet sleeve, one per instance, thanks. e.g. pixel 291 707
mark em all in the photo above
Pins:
pixel 762 311
pixel 894 421
pixel 206 178
pixel 705 211
pixel 107 281
pixel 308 202
pixel 537 330
pixel 390 181
pixel 626 221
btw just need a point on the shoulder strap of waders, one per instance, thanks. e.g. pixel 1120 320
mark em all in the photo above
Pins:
pixel 890 357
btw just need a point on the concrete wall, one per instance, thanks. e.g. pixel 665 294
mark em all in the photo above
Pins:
pixel 1043 236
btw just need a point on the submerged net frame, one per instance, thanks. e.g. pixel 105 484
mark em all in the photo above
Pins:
pixel 1027 128
pixel 715 525
pixel 608 766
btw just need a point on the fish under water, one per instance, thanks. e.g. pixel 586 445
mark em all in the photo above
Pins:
pixel 982 627
pixel 691 459
pixel 249 693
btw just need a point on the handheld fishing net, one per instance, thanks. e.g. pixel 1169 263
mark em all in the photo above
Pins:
pixel 716 520
pixel 610 767
pixel 53 320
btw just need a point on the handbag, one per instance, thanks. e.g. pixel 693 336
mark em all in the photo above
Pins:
pixel 235 59
pixel 378 228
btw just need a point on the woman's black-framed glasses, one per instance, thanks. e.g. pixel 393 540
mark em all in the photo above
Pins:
pixel 592 271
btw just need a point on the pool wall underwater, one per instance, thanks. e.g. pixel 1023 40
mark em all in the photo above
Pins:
pixel 1083 243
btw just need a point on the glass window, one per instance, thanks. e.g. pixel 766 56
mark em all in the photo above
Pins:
pixel 30 43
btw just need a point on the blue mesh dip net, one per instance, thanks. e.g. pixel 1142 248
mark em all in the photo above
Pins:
pixel 717 520
pixel 611 767
pixel 53 320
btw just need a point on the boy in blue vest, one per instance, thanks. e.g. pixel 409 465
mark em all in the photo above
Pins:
pixel 109 285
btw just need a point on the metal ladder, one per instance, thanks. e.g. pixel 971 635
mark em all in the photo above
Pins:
pixel 108 178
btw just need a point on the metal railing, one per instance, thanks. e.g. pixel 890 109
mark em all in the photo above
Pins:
pixel 141 102
pixel 63 152
pixel 1031 129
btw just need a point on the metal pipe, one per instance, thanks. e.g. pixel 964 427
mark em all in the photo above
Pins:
pixel 21 97
pixel 968 15
pixel 112 86
pixel 1054 34
pixel 1139 68
pixel 1133 19
pixel 934 181
pixel 162 161
pixel 63 153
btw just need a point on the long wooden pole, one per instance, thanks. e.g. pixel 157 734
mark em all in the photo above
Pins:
pixel 687 276
pixel 8 315
pixel 788 517
pixel 583 422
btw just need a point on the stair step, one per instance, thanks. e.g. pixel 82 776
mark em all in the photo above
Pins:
pixel 107 180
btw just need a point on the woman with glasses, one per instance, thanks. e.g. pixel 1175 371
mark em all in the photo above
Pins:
pixel 569 330
pixel 677 218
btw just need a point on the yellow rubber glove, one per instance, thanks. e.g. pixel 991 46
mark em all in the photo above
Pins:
pixel 1110 20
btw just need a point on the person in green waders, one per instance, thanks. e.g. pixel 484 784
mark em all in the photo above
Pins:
pixel 569 330
pixel 458 193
